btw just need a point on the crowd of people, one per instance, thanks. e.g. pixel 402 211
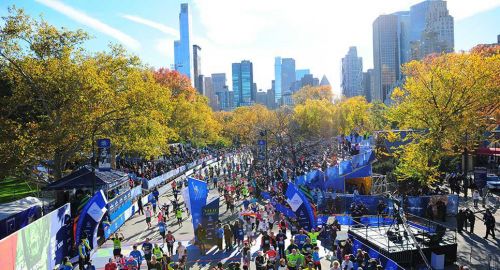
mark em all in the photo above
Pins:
pixel 282 242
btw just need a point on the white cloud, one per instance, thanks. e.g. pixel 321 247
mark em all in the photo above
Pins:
pixel 460 11
pixel 91 22
pixel 156 25
pixel 165 48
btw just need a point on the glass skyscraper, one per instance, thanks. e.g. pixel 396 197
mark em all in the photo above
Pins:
pixel 242 74
pixel 219 87
pixel 386 55
pixel 198 78
pixel 287 74
pixel 277 80
pixel 182 48
pixel 432 29
pixel 352 74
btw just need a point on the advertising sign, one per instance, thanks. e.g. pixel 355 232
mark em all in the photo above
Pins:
pixel 40 245
pixel 198 193
pixel 261 149
pixel 119 204
pixel 104 154
pixel 303 209
pixel 210 218
pixel 90 217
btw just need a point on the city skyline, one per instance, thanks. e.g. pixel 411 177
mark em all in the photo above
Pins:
pixel 149 31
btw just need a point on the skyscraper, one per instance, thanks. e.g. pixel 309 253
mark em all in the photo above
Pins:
pixel 182 48
pixel 277 80
pixel 210 93
pixel 352 74
pixel 386 55
pixel 299 73
pixel 324 81
pixel 432 29
pixel 242 74
pixel 367 84
pixel 287 74
pixel 220 89
pixel 198 78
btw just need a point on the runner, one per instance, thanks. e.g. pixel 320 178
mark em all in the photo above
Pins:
pixel 178 215
pixel 162 228
pixel 170 243
pixel 148 214
pixel 137 256
pixel 147 248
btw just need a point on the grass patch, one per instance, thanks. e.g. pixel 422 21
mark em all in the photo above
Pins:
pixel 13 188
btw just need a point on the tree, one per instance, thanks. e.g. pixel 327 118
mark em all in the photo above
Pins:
pixel 313 92
pixel 316 118
pixel 192 118
pixel 452 97
pixel 243 125
pixel 353 114
pixel 60 97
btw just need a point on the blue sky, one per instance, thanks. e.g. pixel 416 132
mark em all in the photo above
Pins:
pixel 317 33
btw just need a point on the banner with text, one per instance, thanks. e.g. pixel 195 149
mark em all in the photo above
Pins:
pixel 209 220
pixel 198 193
pixel 91 215
pixel 301 207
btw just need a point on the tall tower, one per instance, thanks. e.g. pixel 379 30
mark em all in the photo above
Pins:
pixel 386 56
pixel 277 80
pixel 243 86
pixel 182 48
pixel 352 74
pixel 198 78
pixel 219 88
pixel 432 29
pixel 287 74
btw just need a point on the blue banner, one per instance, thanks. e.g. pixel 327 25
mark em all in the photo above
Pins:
pixel 387 263
pixel 336 183
pixel 345 167
pixel 261 149
pixel 209 220
pixel 284 210
pixel 198 193
pixel 301 207
pixel 360 172
pixel 90 217
pixel 104 154
pixel 118 205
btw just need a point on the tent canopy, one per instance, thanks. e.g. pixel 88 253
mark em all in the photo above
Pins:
pixel 12 208
pixel 83 178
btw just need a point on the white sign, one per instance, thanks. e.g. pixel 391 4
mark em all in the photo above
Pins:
pixel 295 202
pixel 96 212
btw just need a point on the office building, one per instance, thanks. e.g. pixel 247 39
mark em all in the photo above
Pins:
pixel 243 85
pixel 277 80
pixel 210 94
pixel 386 55
pixel 432 29
pixel 324 81
pixel 261 98
pixel 367 84
pixel 309 79
pixel 198 78
pixel 271 102
pixel 182 47
pixel 221 90
pixel 299 73
pixel 287 74
pixel 352 74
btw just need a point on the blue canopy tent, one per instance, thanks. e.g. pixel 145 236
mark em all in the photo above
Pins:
pixel 83 179
pixel 18 214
